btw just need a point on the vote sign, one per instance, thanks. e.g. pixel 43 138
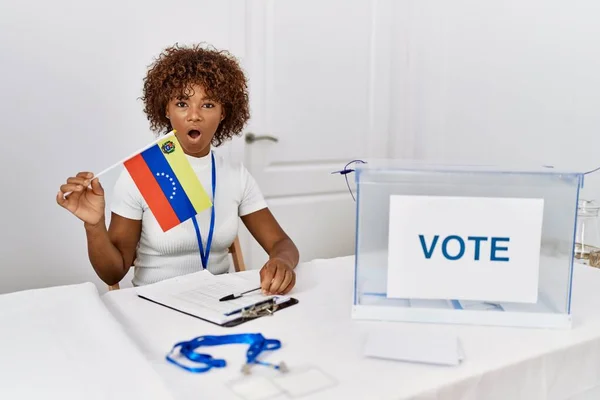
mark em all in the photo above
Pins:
pixel 464 248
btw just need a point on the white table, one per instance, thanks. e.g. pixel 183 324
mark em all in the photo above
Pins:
pixel 62 343
pixel 501 363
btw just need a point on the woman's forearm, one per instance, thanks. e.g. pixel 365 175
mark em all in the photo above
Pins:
pixel 105 257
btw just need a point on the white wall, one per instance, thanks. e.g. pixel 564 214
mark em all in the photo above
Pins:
pixel 477 81
pixel 71 75
pixel 508 81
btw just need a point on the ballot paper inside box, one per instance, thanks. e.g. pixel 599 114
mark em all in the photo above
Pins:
pixel 481 245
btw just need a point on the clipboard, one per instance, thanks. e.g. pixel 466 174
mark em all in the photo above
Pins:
pixel 262 309
pixel 198 295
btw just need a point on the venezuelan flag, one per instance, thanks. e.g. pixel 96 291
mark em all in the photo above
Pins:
pixel 168 183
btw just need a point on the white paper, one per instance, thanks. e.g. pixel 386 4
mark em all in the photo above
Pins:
pixel 422 346
pixel 480 306
pixel 419 268
pixel 199 293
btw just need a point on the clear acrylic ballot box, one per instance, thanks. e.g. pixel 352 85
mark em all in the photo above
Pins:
pixel 378 181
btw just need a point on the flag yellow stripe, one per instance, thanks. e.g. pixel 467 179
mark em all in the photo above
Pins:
pixel 186 176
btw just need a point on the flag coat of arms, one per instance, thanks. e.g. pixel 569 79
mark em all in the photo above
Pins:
pixel 168 183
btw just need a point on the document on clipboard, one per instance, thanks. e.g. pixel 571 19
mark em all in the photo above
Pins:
pixel 198 295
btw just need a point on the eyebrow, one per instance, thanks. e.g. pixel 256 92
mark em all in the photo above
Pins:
pixel 187 97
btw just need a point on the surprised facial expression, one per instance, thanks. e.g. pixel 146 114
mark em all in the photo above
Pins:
pixel 196 118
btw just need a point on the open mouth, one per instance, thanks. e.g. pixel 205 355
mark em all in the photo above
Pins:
pixel 194 134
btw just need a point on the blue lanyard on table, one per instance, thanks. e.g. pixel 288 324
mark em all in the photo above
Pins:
pixel 258 343
pixel 203 255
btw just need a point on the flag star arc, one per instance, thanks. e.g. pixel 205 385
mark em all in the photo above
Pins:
pixel 161 174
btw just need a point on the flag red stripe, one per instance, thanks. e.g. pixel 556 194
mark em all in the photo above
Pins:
pixel 152 193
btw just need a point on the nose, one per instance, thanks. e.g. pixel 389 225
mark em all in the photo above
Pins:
pixel 194 114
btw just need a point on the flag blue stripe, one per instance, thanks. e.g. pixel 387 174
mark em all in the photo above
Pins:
pixel 168 182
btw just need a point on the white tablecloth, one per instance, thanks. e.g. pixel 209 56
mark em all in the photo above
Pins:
pixel 501 363
pixel 62 343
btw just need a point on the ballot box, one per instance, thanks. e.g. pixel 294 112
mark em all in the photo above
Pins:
pixel 467 244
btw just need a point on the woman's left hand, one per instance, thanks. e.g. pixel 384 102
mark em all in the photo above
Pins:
pixel 277 276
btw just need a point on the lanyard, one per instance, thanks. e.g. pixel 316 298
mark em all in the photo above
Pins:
pixel 203 255
pixel 258 343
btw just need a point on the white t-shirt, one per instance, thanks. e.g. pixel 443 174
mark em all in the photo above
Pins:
pixel 162 255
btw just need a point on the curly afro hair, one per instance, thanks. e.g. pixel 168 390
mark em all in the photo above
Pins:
pixel 218 72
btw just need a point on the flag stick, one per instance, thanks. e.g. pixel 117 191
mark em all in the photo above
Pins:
pixel 96 176
pixel 104 171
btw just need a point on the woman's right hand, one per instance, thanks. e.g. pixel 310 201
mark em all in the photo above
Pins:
pixel 86 203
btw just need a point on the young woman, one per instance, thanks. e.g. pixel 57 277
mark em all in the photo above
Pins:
pixel 202 94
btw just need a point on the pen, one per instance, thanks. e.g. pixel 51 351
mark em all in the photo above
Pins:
pixel 237 295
